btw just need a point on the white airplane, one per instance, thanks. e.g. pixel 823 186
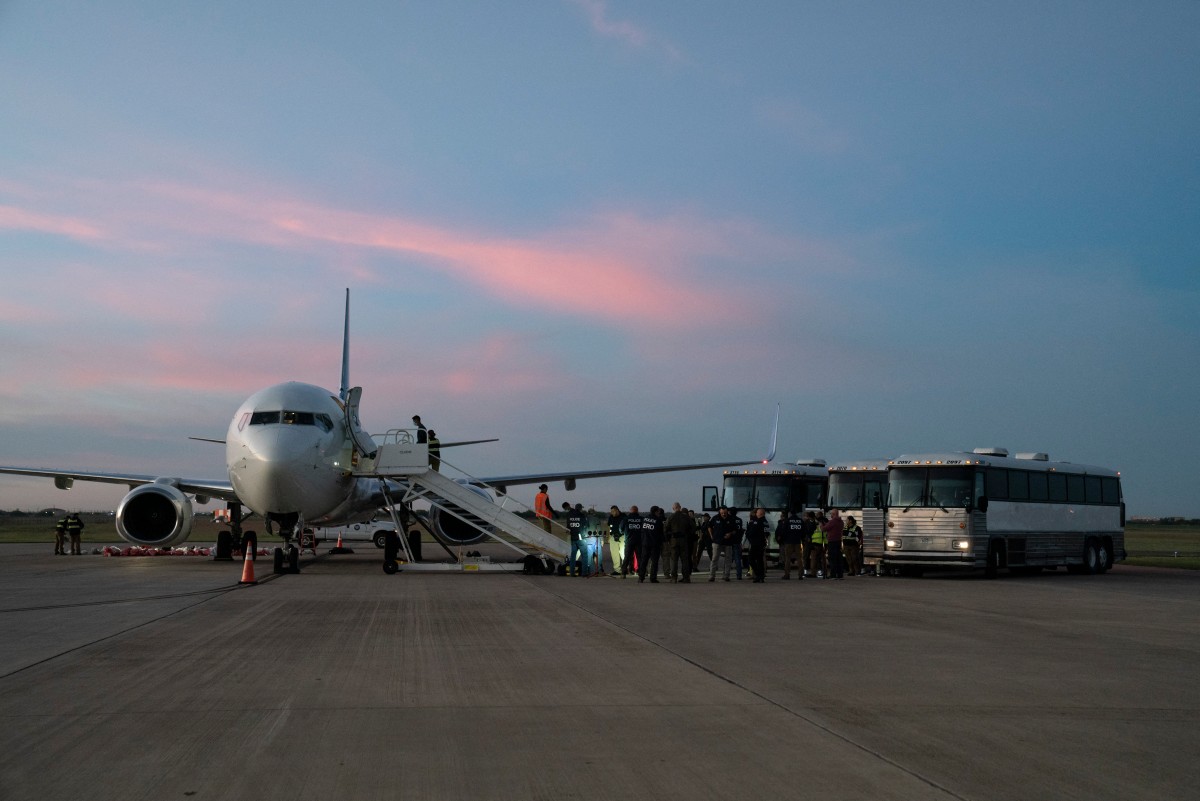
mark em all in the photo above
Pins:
pixel 291 454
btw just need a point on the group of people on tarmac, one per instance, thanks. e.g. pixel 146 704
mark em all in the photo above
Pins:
pixel 811 544
pixel 68 532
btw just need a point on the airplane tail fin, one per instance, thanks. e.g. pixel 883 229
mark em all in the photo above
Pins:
pixel 344 390
pixel 774 437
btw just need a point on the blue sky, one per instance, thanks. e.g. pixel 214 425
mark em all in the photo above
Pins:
pixel 609 233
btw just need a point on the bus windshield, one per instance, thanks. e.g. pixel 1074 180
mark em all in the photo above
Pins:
pixel 846 490
pixel 943 487
pixel 775 493
pixel 739 492
pixel 858 490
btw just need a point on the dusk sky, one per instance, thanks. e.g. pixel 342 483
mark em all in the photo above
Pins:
pixel 610 233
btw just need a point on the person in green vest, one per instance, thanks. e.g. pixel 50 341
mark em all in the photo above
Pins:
pixel 816 551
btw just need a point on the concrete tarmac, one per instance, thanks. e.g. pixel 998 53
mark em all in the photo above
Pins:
pixel 161 678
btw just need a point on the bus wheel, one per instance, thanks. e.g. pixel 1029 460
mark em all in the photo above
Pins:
pixel 993 561
pixel 1091 558
pixel 1103 557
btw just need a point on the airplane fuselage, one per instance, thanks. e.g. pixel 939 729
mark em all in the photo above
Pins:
pixel 288 452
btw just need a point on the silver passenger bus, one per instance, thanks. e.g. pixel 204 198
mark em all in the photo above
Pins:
pixel 860 488
pixel 987 509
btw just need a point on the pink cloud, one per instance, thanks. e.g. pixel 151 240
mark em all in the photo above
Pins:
pixel 597 14
pixel 603 24
pixel 618 268
pixel 584 267
pixel 13 218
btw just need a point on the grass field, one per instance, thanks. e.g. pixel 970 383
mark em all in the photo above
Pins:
pixel 1148 544
pixel 1163 546
pixel 99 527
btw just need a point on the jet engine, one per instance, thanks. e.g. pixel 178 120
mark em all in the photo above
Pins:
pixel 155 515
pixel 450 528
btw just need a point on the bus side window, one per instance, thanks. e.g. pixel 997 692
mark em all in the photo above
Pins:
pixel 1038 488
pixel 1018 485
pixel 1075 493
pixel 1058 488
pixel 1111 490
pixel 1092 489
pixel 997 484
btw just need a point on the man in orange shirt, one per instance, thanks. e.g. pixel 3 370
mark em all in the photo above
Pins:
pixel 542 508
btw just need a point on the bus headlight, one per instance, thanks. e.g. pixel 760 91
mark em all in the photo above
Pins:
pixel 895 543
pixel 962 545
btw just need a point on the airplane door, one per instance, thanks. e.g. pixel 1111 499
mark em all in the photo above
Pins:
pixel 362 440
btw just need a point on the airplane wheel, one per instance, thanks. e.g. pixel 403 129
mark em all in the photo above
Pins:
pixel 278 561
pixel 293 558
pixel 391 567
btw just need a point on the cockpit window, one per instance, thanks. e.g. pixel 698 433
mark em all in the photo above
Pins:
pixel 292 418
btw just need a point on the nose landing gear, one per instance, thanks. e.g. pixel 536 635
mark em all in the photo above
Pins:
pixel 287 559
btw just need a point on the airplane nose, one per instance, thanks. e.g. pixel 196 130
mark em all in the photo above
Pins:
pixel 275 470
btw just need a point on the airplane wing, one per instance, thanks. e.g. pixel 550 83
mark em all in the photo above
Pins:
pixel 63 479
pixel 571 476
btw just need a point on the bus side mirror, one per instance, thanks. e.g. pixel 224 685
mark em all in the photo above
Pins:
pixel 709 499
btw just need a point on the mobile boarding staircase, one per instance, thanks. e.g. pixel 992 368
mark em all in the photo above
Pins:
pixel 402 465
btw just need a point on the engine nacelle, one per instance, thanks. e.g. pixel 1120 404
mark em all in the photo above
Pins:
pixel 452 530
pixel 155 515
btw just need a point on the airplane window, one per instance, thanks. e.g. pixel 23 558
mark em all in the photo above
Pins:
pixel 298 418
pixel 264 418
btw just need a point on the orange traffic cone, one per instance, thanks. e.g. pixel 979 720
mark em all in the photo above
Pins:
pixel 248 568
pixel 339 539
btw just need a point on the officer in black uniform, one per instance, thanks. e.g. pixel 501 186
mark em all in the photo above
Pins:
pixel 652 537
pixel 577 529
pixel 633 541
pixel 852 541
pixel 758 530
pixel 75 532
pixel 435 452
pixel 793 544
